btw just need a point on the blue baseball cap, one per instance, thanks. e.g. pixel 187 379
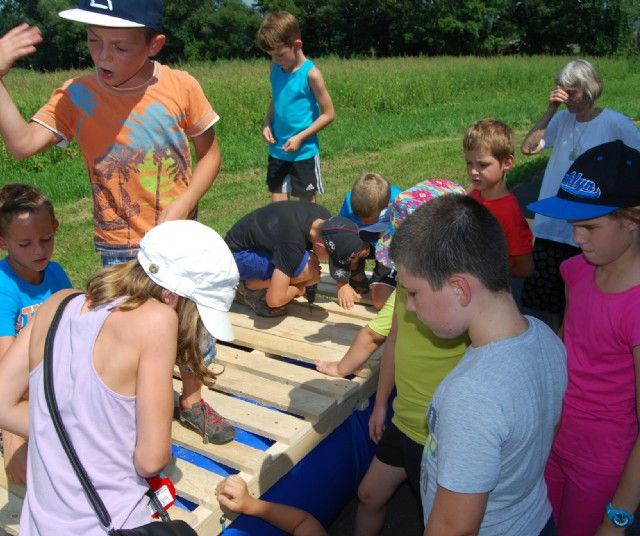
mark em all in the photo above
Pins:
pixel 600 181
pixel 118 13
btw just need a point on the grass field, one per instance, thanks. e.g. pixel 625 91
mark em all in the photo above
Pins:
pixel 402 117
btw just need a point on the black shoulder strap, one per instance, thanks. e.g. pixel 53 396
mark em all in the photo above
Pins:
pixel 49 392
pixel 89 489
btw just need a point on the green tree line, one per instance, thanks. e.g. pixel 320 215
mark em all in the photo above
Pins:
pixel 205 30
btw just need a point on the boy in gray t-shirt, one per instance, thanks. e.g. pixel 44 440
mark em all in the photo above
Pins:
pixel 492 419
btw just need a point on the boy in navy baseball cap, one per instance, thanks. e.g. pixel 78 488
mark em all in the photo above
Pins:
pixel 118 13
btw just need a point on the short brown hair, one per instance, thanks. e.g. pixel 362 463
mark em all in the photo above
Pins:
pixel 16 198
pixel 490 134
pixel 278 29
pixel 370 195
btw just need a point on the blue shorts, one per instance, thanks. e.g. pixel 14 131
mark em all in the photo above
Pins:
pixel 254 264
pixel 209 351
pixel 110 257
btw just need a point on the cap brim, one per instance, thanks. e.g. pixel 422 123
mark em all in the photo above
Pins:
pixel 339 271
pixel 563 209
pixel 377 227
pixel 97 19
pixel 218 323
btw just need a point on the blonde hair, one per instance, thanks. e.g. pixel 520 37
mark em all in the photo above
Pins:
pixel 278 29
pixel 370 195
pixel 491 134
pixel 131 286
pixel 581 74
pixel 627 213
pixel 16 199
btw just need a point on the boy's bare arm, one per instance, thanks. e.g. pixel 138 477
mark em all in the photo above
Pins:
pixel 22 138
pixel 232 493
pixel 386 383
pixel 458 514
pixel 365 343
pixel 267 133
pixel 204 173
pixel 531 143
pixel 327 112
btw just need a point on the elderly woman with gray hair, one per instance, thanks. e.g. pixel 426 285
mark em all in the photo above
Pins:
pixel 569 132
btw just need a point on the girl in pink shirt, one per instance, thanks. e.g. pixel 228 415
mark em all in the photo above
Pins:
pixel 592 473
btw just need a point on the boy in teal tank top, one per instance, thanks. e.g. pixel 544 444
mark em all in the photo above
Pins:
pixel 300 107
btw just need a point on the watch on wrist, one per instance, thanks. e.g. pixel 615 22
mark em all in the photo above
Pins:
pixel 619 517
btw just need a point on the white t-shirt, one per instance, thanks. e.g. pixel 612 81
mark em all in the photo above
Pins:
pixel 562 134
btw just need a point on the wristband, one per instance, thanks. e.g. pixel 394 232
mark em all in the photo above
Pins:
pixel 619 517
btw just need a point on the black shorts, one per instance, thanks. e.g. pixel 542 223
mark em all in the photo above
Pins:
pixel 544 290
pixel 298 178
pixel 381 274
pixel 398 450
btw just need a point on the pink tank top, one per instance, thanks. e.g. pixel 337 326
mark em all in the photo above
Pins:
pixel 102 428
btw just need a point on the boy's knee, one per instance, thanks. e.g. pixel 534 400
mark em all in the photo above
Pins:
pixel 365 493
pixel 371 495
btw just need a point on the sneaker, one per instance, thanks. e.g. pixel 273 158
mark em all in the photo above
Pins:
pixel 256 300
pixel 204 419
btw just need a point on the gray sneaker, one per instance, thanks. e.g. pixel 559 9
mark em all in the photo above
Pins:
pixel 256 300
pixel 204 419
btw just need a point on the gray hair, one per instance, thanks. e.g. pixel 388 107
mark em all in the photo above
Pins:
pixel 580 73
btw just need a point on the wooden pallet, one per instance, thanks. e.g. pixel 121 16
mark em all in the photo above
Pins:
pixel 268 389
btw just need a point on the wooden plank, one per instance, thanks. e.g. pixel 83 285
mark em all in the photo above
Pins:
pixel 11 496
pixel 204 521
pixel 332 330
pixel 194 483
pixel 273 344
pixel 10 507
pixel 359 311
pixel 254 418
pixel 291 374
pixel 232 454
pixel 291 398
pixel 305 337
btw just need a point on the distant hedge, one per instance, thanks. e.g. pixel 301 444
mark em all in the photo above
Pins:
pixel 202 30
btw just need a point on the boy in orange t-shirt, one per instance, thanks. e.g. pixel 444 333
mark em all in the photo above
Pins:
pixel 132 119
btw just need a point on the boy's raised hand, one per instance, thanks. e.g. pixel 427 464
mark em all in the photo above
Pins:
pixel 17 43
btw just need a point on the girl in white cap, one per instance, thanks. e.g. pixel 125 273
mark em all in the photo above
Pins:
pixel 114 353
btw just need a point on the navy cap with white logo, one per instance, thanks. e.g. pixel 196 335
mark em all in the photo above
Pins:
pixel 118 13
pixel 600 181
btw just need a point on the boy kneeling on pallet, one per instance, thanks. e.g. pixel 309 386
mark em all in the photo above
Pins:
pixel 277 248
